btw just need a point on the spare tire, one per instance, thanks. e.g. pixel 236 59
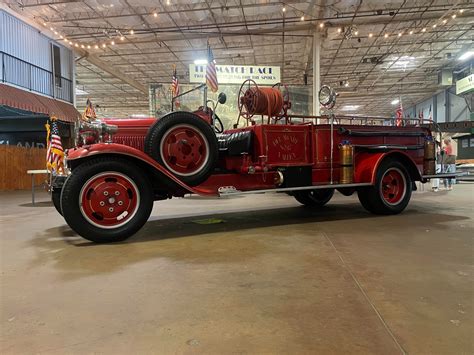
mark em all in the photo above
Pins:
pixel 185 145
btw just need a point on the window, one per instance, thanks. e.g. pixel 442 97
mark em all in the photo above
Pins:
pixel 57 64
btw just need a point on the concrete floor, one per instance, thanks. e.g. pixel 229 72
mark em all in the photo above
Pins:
pixel 272 278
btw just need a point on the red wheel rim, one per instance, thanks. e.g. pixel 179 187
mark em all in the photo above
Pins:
pixel 109 200
pixel 393 186
pixel 184 150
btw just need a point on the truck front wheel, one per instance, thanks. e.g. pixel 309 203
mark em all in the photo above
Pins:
pixel 391 192
pixel 106 199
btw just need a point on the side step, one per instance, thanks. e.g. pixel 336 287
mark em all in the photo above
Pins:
pixel 232 191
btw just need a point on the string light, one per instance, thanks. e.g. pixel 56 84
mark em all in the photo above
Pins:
pixel 167 2
pixel 112 43
pixel 444 22
pixel 461 11
pixel 356 33
pixel 76 45
pixel 104 45
pixel 61 36
pixel 96 46
pixel 371 35
pixel 122 38
pixel 399 34
pixel 423 29
pixel 411 32
pixel 434 26
pixel 82 46
pixel 155 14
pixel 45 24
pixel 339 30
pixel 453 16
pixel 283 9
pixel 302 18
pixel 88 47
pixel 132 32
pixel 321 25
pixel 386 35
pixel 52 29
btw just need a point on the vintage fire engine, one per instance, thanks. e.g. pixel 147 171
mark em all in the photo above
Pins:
pixel 119 167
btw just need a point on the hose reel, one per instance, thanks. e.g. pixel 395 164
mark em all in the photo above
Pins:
pixel 271 102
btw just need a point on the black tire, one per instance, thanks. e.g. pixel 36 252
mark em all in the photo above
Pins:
pixel 56 198
pixel 133 188
pixel 314 198
pixel 388 198
pixel 160 129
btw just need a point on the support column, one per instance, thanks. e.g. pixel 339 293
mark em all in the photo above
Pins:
pixel 316 71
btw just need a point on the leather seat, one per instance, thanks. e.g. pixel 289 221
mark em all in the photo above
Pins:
pixel 236 143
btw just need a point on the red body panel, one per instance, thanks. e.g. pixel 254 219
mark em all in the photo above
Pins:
pixel 277 146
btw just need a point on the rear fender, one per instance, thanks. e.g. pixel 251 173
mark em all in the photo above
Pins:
pixel 77 155
pixel 366 165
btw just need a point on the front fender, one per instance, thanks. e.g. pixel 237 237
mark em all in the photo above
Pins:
pixel 130 152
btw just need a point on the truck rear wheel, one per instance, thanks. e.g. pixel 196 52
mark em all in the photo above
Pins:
pixel 314 198
pixel 391 192
pixel 106 199
pixel 185 145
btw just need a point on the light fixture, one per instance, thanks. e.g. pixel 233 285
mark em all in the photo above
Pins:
pixel 434 26
pixel 370 35
pixel 82 46
pixel 200 61
pixel 302 18
pixel 444 21
pixel 423 29
pixel 96 46
pixel 411 32
pixel 55 32
pixel 76 45
pixel 132 32
pixel 386 35
pixel 167 2
pixel 453 16
pixel 346 84
pixel 461 11
pixel 61 36
pixel 399 34
pixel 104 45
pixel 51 28
pixel 45 24
pixel 339 30
pixel 466 55
pixel 155 14
pixel 396 101
pixel 321 25
pixel 112 43
pixel 122 38
pixel 356 33
pixel 283 9
pixel 70 42
pixel 88 47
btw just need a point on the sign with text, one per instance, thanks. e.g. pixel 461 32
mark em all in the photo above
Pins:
pixel 236 74
pixel 465 85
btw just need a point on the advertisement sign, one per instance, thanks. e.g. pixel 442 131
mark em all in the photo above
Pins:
pixel 465 85
pixel 236 74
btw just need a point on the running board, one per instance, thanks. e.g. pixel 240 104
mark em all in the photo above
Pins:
pixel 443 176
pixel 228 191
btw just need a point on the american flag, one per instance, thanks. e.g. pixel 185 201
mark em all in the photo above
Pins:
pixel 211 74
pixel 175 86
pixel 89 112
pixel 399 114
pixel 55 151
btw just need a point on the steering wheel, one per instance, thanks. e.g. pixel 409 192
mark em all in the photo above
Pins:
pixel 220 128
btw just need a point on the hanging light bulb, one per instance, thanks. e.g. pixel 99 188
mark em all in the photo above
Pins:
pixel 104 45
pixel 61 36
pixel 112 43
pixel 122 38
pixel 371 35
pixel 411 32
pixel 339 30
pixel 399 34
pixel 96 46
pixel 283 9
pixel 168 2
pixel 444 21
pixel 155 14
pixel 356 33
pixel 82 46
pixel 461 11
pixel 321 25
pixel 453 16
pixel 132 32
pixel 302 18
pixel 76 45
pixel 434 26
pixel 88 47
pixel 386 35
pixel 423 29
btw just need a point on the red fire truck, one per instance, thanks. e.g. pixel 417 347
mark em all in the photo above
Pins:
pixel 120 167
